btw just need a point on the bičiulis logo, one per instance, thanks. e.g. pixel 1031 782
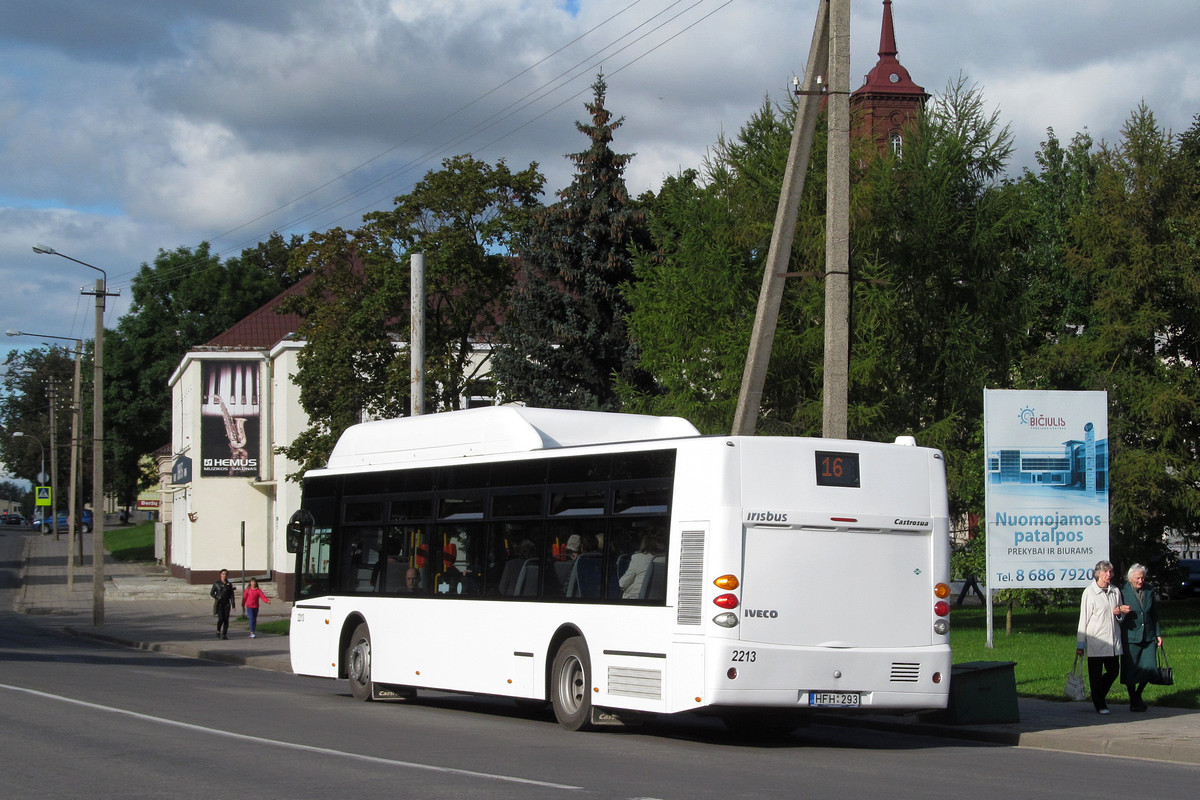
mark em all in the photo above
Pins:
pixel 1033 419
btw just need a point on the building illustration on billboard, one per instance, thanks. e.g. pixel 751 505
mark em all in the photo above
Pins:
pixel 1077 464
pixel 230 411
pixel 1046 475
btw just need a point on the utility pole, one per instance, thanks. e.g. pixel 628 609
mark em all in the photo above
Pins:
pixel 75 535
pixel 416 336
pixel 101 291
pixel 837 228
pixel 53 463
pixel 828 54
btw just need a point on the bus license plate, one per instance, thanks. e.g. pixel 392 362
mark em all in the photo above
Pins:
pixel 834 699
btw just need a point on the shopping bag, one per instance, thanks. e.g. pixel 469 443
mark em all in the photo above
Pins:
pixel 1075 688
pixel 1164 675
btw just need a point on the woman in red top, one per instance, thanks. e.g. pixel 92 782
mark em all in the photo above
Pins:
pixel 250 600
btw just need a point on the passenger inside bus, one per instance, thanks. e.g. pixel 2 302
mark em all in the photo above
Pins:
pixel 412 581
pixel 577 545
pixel 645 571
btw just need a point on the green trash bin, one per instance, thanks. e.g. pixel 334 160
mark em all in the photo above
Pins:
pixel 981 693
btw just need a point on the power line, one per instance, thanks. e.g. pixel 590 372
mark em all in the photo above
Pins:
pixel 531 98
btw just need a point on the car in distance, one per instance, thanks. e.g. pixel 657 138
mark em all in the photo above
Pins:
pixel 86 521
pixel 13 518
pixel 1189 583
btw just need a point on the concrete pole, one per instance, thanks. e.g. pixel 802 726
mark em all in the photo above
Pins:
pixel 72 516
pixel 416 343
pixel 837 227
pixel 98 461
pixel 771 294
pixel 53 463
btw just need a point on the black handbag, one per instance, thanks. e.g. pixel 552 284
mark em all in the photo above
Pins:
pixel 1164 675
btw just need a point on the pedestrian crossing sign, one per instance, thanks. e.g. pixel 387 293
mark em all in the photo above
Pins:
pixel 42 494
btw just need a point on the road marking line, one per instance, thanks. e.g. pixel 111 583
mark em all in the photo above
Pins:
pixel 291 745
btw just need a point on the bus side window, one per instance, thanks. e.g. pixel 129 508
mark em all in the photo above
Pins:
pixel 361 558
pixel 514 568
pixel 623 543
pixel 461 549
pixel 645 575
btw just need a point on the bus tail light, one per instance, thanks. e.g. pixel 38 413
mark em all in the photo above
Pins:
pixel 726 600
pixel 941 608
pixel 942 590
pixel 727 582
pixel 940 626
pixel 937 677
pixel 726 620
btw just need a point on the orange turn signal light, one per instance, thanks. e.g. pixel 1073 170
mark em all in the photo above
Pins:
pixel 727 582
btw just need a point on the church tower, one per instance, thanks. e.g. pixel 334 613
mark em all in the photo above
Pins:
pixel 888 97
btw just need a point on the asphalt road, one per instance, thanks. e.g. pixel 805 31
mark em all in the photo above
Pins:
pixel 81 719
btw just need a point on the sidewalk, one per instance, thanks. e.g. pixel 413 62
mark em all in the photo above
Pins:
pixel 146 608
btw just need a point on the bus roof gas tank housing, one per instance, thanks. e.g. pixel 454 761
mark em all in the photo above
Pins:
pixel 841 559
pixel 493 430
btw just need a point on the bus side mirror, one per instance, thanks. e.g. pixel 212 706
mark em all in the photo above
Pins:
pixel 298 528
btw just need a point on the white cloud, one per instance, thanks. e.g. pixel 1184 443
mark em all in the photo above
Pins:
pixel 126 128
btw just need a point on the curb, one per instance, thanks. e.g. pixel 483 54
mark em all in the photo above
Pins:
pixel 1142 749
pixel 187 651
pixel 878 723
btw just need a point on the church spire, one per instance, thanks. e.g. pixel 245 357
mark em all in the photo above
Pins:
pixel 888 98
pixel 887 37
pixel 889 76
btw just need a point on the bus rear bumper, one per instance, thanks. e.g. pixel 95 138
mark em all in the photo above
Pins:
pixel 829 678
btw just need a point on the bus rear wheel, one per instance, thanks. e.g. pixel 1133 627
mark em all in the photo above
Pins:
pixel 358 662
pixel 570 685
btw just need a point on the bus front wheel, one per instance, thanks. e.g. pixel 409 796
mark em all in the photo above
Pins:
pixel 358 663
pixel 570 685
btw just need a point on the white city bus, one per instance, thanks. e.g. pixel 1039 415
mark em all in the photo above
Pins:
pixel 618 565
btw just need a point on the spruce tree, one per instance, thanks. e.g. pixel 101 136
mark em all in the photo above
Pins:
pixel 565 342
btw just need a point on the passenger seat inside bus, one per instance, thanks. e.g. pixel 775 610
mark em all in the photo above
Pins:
pixel 586 573
pixel 654 586
pixel 527 579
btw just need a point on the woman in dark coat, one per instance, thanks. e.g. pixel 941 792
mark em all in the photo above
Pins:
pixel 1141 634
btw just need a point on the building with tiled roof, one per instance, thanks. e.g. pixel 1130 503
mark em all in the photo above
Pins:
pixel 233 401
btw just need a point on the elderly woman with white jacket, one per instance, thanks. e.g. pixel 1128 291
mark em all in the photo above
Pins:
pixel 1100 615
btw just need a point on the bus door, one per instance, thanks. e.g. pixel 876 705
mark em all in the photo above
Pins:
pixel 311 632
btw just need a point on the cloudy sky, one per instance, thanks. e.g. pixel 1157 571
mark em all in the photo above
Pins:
pixel 128 127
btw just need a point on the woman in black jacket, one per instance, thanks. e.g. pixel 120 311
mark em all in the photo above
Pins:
pixel 1141 636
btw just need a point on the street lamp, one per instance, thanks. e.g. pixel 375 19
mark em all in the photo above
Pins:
pixel 75 534
pixel 100 292
pixel 41 476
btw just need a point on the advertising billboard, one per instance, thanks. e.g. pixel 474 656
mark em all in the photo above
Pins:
pixel 1046 486
pixel 229 419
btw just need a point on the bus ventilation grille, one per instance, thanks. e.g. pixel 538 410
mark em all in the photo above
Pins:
pixel 691 578
pixel 905 673
pixel 634 682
